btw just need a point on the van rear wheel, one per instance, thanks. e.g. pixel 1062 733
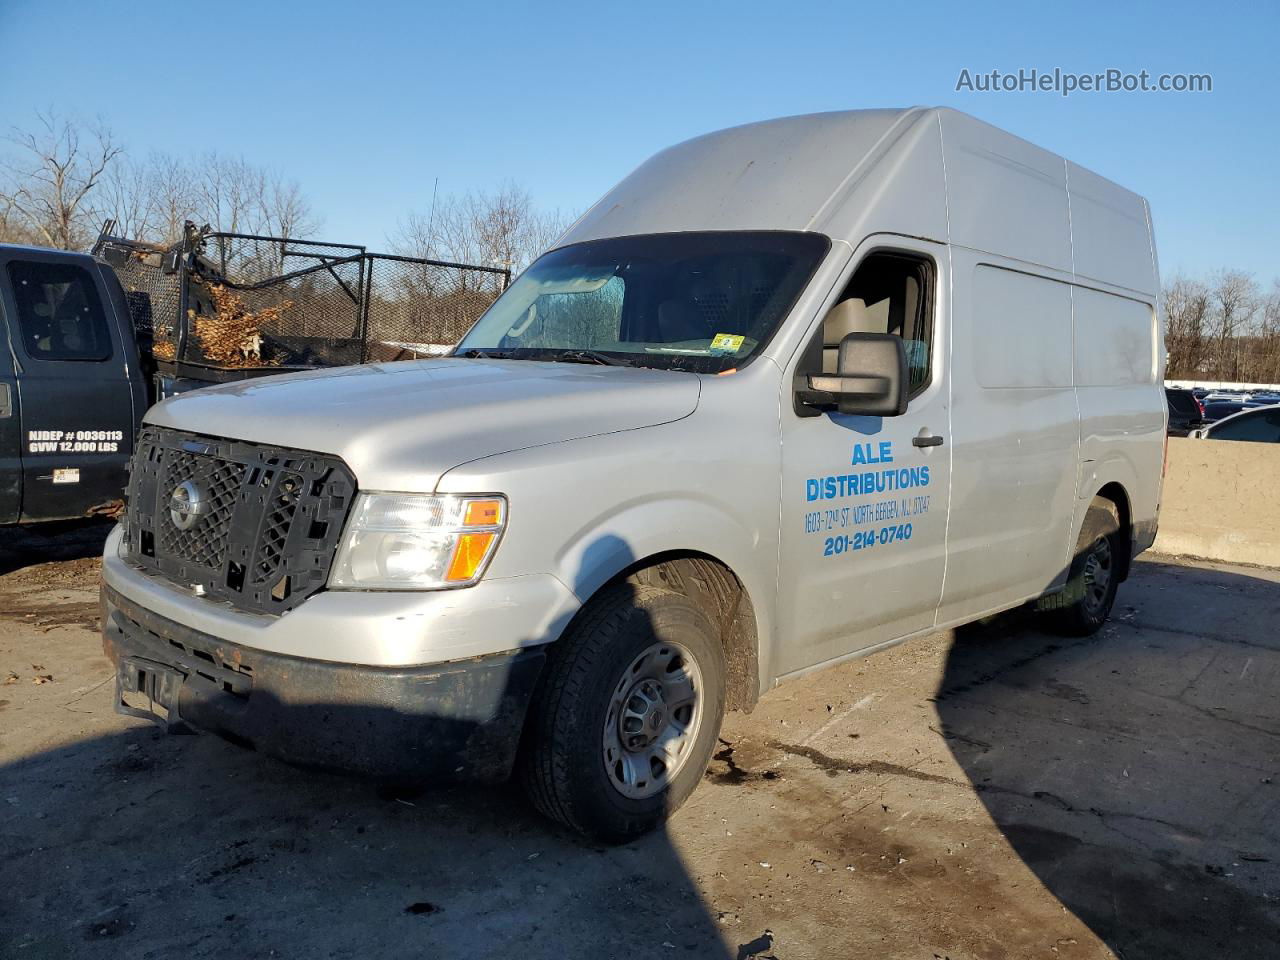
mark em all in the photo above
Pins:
pixel 627 714
pixel 1083 607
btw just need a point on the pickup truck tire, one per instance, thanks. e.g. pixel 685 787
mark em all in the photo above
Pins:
pixel 640 664
pixel 1082 608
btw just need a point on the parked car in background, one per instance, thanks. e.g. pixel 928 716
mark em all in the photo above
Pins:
pixel 1215 410
pixel 1260 425
pixel 1185 411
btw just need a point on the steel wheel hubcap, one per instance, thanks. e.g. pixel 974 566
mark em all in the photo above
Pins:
pixel 1097 574
pixel 652 721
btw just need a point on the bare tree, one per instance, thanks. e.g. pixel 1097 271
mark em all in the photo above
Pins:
pixel 1234 300
pixel 1186 311
pixel 13 228
pixel 173 197
pixel 126 197
pixel 235 196
pixel 285 210
pixel 500 228
pixel 1265 352
pixel 152 200
pixel 47 188
pixel 228 193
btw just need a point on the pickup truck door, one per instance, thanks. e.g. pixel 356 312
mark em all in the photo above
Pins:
pixel 864 499
pixel 10 429
pixel 75 383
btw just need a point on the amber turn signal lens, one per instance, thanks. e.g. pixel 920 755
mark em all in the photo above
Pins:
pixel 468 555
pixel 483 513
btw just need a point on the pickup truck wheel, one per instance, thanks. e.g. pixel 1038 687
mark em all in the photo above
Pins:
pixel 627 715
pixel 1085 604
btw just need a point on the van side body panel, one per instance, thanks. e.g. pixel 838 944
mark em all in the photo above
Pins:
pixel 1015 435
pixel 1119 384
pixel 1006 196
pixel 1119 353
pixel 1110 233
pixel 1064 340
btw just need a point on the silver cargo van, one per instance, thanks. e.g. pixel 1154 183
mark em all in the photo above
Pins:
pixel 788 394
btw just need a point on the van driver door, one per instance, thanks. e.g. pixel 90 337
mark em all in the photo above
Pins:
pixel 864 499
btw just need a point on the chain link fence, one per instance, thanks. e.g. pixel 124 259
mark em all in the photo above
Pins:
pixel 424 306
pixel 279 302
pixel 154 295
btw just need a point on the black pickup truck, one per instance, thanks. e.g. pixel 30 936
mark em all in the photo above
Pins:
pixel 92 340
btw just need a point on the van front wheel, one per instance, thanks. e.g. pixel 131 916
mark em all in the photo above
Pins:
pixel 1085 604
pixel 628 713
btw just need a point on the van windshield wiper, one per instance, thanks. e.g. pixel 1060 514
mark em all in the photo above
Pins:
pixel 475 353
pixel 589 356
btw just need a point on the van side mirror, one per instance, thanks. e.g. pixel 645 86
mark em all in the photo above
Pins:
pixel 870 377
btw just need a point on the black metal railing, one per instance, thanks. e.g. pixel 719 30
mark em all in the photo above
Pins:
pixel 249 301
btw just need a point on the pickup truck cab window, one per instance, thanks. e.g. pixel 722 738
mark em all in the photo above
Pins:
pixel 690 301
pixel 60 315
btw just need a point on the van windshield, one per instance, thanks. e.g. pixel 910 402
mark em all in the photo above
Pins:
pixel 689 301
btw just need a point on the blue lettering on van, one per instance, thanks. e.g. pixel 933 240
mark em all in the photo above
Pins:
pixel 837 486
pixel 893 511
pixel 866 539
pixel 864 454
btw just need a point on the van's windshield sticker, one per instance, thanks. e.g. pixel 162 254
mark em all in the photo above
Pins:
pixel 887 519
pixel 723 343
pixel 74 441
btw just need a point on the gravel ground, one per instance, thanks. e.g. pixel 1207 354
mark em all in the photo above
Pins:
pixel 996 793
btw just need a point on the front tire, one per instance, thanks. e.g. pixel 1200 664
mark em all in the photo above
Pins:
pixel 627 714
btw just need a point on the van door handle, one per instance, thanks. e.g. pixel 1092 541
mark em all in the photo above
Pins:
pixel 926 441
pixel 6 401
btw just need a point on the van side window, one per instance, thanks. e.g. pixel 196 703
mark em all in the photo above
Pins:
pixel 60 315
pixel 889 293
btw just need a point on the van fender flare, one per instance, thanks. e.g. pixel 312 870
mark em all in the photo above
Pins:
pixel 640 535
pixel 1112 479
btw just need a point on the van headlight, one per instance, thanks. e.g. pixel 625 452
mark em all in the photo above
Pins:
pixel 403 541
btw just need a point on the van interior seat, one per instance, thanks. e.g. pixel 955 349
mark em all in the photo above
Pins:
pixel 851 315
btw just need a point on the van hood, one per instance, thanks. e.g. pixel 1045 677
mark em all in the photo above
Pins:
pixel 403 425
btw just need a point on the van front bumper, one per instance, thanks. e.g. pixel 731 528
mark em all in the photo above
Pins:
pixel 459 720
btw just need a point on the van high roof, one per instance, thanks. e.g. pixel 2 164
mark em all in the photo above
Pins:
pixel 934 173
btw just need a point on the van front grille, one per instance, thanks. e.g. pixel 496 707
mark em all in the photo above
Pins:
pixel 252 525
pixel 206 543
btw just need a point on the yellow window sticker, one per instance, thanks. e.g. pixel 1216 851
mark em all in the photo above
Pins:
pixel 726 343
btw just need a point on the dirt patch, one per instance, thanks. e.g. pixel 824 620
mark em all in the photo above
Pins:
pixel 44 615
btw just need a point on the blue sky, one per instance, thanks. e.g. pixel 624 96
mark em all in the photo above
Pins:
pixel 365 104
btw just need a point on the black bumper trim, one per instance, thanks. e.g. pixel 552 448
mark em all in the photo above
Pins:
pixel 455 721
